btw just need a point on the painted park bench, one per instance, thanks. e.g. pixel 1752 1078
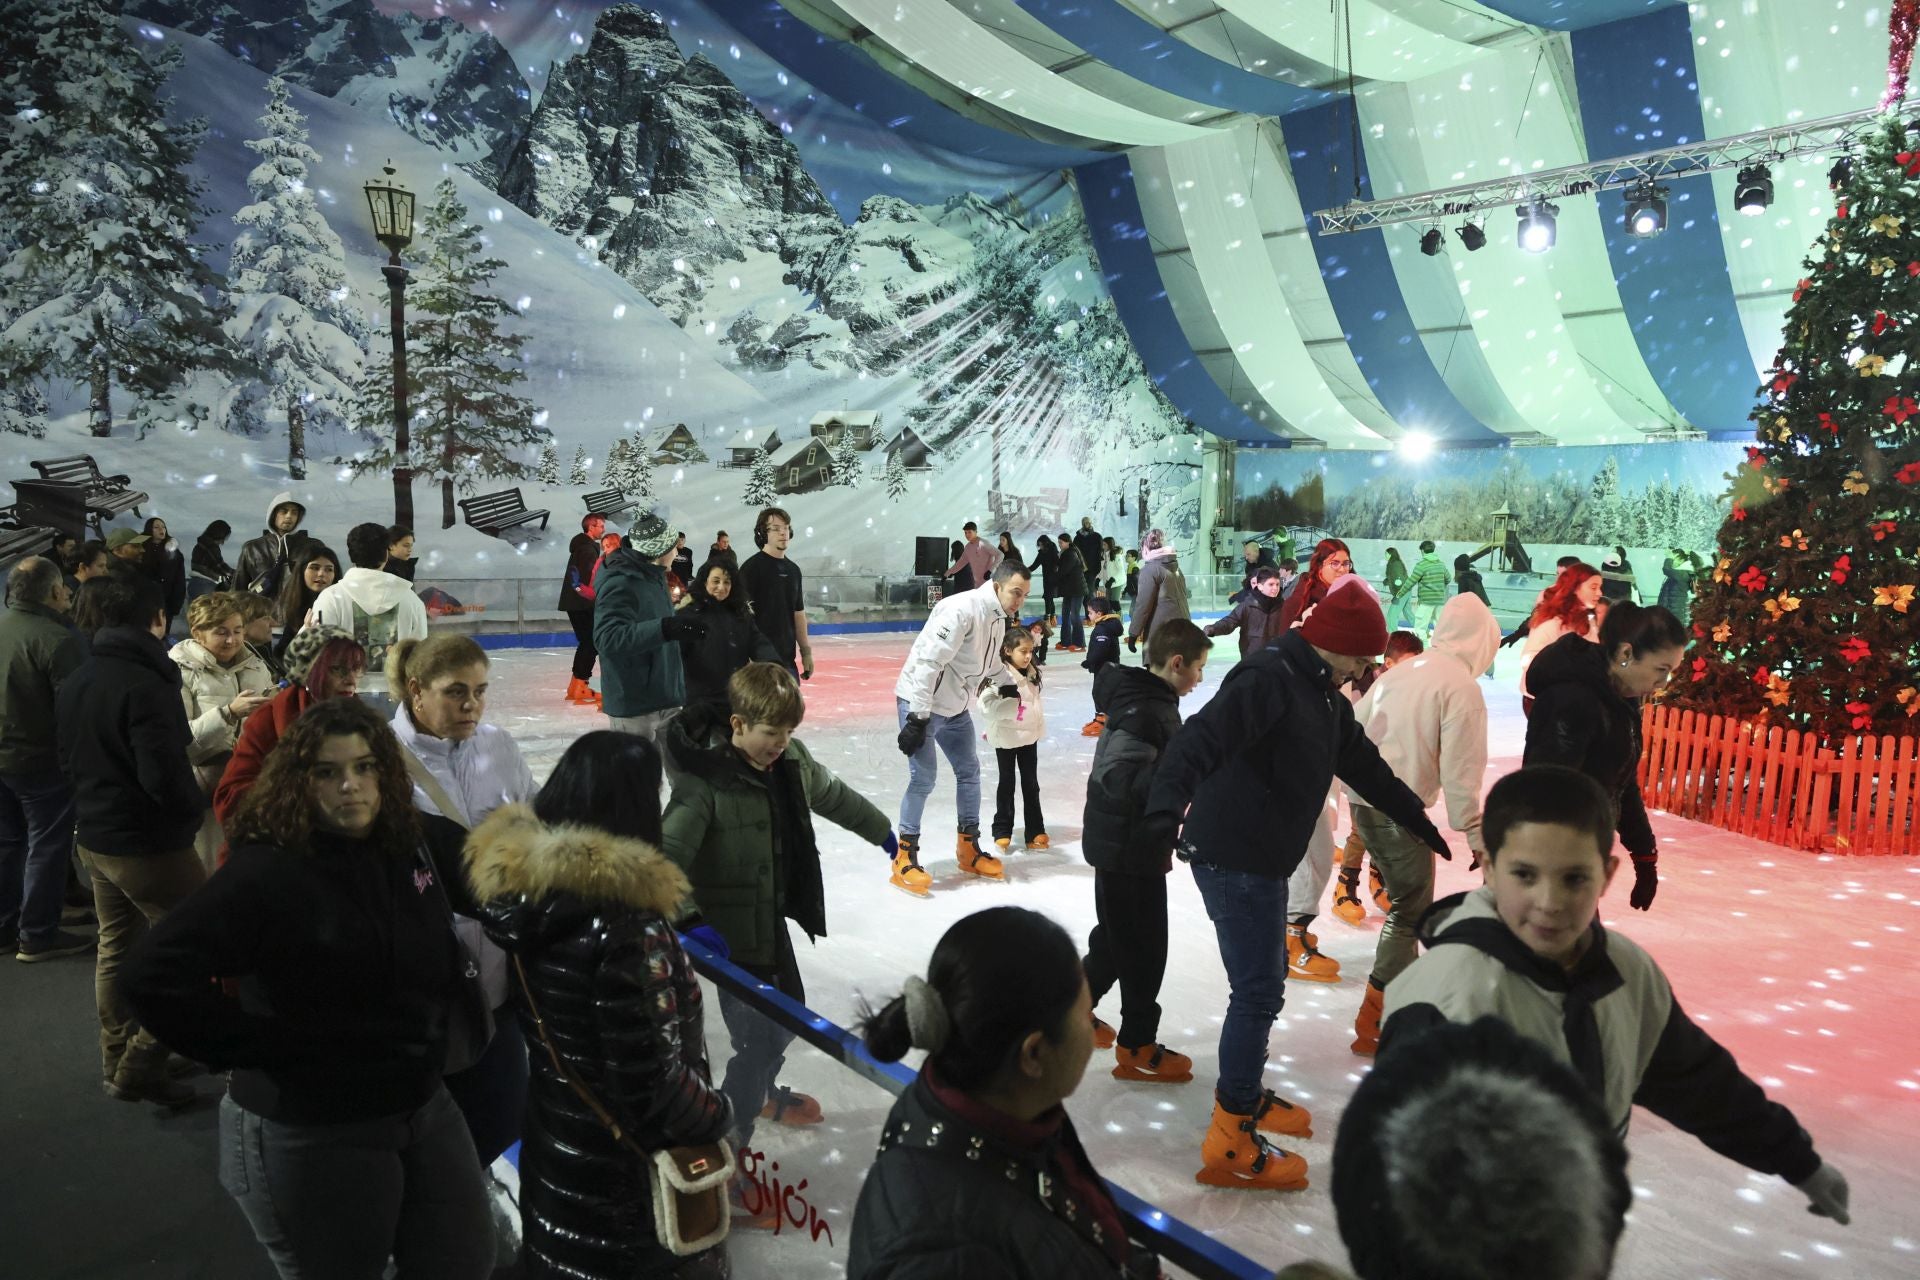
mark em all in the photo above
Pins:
pixel 491 513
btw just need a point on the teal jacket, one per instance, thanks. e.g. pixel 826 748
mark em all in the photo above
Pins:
pixel 1430 579
pixel 720 828
pixel 640 669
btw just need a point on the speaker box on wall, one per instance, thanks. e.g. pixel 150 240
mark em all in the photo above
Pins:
pixel 930 557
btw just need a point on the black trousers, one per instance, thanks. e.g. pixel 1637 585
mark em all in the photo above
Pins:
pixel 584 653
pixel 1129 946
pixel 1027 760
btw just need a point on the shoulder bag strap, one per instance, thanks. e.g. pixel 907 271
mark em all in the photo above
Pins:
pixel 424 779
pixel 586 1095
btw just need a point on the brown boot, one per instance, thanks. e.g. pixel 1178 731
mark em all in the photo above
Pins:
pixel 1233 1154
pixel 142 1077
pixel 974 862
pixel 1366 1025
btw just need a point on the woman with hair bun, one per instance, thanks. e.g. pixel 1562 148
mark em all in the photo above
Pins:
pixel 980 1172
pixel 1587 717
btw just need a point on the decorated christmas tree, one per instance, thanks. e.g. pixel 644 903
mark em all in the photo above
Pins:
pixel 1808 617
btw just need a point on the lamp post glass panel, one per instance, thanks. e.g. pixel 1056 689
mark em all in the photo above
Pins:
pixel 392 208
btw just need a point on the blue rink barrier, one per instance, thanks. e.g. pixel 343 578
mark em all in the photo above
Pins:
pixel 565 639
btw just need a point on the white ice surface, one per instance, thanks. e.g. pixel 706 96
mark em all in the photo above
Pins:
pixel 1804 966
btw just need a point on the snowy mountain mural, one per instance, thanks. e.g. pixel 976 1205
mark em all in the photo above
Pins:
pixel 667 259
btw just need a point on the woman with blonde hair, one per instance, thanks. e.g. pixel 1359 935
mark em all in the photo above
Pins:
pixel 222 682
pixel 463 769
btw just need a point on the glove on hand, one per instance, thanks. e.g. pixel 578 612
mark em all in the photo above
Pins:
pixel 913 735
pixel 1133 644
pixel 891 844
pixel 1158 831
pixel 681 627
pixel 1826 1193
pixel 709 937
pixel 1008 691
pixel 1646 883
pixel 1431 837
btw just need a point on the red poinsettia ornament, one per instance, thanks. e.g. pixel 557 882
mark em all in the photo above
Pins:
pixel 1752 579
pixel 1855 650
pixel 1883 322
pixel 1909 474
pixel 1859 710
pixel 1900 408
pixel 1841 569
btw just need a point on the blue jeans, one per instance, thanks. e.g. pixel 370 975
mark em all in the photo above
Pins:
pixel 36 844
pixel 957 742
pixel 1249 915
pixel 1073 621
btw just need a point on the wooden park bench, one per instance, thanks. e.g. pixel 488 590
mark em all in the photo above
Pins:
pixel 490 513
pixel 16 541
pixel 106 496
pixel 607 502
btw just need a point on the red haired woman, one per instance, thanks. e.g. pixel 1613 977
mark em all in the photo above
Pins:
pixel 1567 609
pixel 1331 562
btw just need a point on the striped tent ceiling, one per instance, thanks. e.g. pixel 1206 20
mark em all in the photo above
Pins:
pixel 1203 133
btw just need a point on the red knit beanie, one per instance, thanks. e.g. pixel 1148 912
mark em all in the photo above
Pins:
pixel 1347 621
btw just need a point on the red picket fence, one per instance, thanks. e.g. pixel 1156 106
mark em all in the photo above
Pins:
pixel 1781 785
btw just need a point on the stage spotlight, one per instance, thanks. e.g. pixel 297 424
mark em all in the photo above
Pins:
pixel 1646 209
pixel 1471 236
pixel 1432 242
pixel 1841 173
pixel 1416 446
pixel 1537 225
pixel 1753 190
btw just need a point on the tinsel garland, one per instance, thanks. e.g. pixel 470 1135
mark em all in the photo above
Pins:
pixel 1901 25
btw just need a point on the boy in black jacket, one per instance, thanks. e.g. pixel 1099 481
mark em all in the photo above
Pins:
pixel 1528 948
pixel 1103 650
pixel 1280 730
pixel 1129 944
pixel 123 742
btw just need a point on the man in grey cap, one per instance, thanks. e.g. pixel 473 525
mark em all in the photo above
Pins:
pixel 126 544
pixel 642 681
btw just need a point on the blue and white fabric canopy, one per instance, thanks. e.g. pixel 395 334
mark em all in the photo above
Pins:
pixel 1202 134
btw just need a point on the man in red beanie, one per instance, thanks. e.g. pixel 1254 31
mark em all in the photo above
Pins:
pixel 1255 765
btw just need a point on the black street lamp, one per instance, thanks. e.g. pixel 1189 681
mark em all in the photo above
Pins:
pixel 392 207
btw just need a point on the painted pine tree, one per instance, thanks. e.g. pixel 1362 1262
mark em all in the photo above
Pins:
pixel 896 476
pixel 846 460
pixel 1809 616
pixel 638 474
pixel 295 318
pixel 102 284
pixel 578 474
pixel 548 471
pixel 760 490
pixel 613 472
pixel 23 410
pixel 463 363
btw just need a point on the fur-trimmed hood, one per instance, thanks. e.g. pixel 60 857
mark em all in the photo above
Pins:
pixel 519 865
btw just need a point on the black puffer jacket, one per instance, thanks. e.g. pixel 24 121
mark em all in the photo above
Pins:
pixel 731 642
pixel 586 913
pixel 1143 714
pixel 1579 721
pixel 1069 576
pixel 948 1201
pixel 1257 761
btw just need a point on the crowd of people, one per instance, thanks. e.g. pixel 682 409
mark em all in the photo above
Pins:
pixel 319 871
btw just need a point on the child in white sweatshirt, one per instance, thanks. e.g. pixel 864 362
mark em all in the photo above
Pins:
pixel 1015 725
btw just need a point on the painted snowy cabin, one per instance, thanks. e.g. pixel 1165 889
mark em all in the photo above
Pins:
pixel 674 446
pixel 863 425
pixel 805 468
pixel 741 456
pixel 913 451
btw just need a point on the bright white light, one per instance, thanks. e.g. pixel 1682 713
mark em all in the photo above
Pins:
pixel 1416 446
pixel 1644 224
pixel 1535 238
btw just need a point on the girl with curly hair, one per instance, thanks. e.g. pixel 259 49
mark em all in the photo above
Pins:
pixel 338 1139
pixel 1570 607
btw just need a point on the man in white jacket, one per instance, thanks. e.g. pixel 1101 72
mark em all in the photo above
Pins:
pixel 954 654
pixel 1427 717
pixel 373 606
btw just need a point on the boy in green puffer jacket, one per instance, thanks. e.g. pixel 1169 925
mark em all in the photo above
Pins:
pixel 740 825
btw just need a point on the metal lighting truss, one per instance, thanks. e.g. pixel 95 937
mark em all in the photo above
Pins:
pixel 1765 146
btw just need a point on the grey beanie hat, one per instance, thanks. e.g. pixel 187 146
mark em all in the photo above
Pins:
pixel 651 535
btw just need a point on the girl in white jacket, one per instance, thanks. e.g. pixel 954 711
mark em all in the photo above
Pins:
pixel 1015 725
